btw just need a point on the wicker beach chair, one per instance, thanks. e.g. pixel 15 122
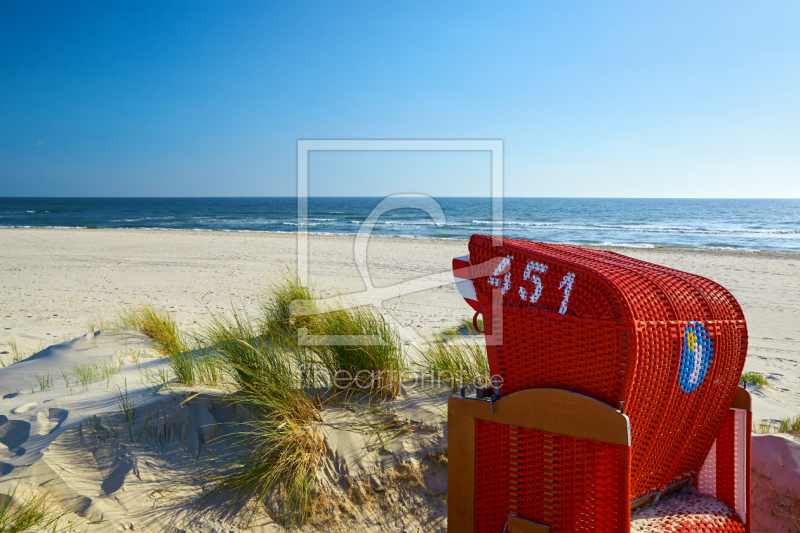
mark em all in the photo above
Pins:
pixel 616 386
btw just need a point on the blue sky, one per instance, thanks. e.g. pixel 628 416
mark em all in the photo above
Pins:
pixel 621 99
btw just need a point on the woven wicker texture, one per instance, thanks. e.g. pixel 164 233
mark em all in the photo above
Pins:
pixel 568 483
pixel 686 512
pixel 665 346
pixel 727 452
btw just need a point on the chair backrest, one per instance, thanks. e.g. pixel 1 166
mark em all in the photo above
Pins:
pixel 665 347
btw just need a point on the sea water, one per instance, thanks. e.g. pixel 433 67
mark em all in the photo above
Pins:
pixel 734 224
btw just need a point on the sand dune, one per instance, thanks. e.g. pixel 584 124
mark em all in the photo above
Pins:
pixel 147 475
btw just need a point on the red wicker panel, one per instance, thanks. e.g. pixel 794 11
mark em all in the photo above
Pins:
pixel 749 463
pixel 492 502
pixel 579 355
pixel 726 485
pixel 687 512
pixel 614 328
pixel 571 484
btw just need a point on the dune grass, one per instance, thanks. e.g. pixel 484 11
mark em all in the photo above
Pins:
pixel 45 380
pixel 107 369
pixel 156 324
pixel 192 366
pixel 789 425
pixel 85 375
pixel 756 379
pixel 16 355
pixel 362 353
pixel 198 366
pixel 282 301
pixel 32 511
pixel 285 446
pixel 97 323
pixel 127 405
pixel 457 363
pixel 277 379
pixel 464 327
pixel 358 364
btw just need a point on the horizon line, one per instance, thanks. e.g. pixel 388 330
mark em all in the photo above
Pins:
pixel 344 196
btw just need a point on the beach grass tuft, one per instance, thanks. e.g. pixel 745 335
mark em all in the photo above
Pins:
pixel 16 355
pixel 33 511
pixel 362 351
pixel 85 375
pixel 285 445
pixel 158 325
pixel 45 380
pixel 201 365
pixel 464 327
pixel 789 425
pixel 277 312
pixel 458 363
pixel 759 380
pixel 276 379
pixel 106 369
pixel 127 405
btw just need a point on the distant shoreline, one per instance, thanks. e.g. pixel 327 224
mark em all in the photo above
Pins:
pixel 292 234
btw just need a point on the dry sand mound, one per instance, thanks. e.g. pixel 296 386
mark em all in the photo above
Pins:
pixel 385 467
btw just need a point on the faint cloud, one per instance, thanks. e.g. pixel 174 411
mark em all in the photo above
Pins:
pixel 39 143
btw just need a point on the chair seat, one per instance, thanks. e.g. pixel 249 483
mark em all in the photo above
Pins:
pixel 684 512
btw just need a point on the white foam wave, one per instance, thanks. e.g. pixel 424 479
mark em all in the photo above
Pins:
pixel 629 245
pixel 648 229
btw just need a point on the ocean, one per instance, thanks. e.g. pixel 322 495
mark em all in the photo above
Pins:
pixel 722 224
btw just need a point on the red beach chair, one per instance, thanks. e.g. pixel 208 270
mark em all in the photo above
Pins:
pixel 618 385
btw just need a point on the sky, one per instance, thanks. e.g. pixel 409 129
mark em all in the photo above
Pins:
pixel 593 99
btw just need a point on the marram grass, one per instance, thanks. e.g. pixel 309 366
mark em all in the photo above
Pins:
pixel 190 367
pixel 158 325
pixel 789 425
pixel 456 363
pixel 278 380
pixel 756 379
pixel 32 511
pixel 364 354
pixel 201 365
pixel 278 312
pixel 464 327
pixel 285 445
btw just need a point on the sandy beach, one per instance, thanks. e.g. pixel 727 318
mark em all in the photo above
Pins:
pixel 54 283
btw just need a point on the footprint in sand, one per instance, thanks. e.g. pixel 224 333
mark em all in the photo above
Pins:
pixel 5 469
pixel 24 408
pixel 50 419
pixel 14 433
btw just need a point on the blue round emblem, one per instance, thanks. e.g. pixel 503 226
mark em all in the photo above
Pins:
pixel 697 351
